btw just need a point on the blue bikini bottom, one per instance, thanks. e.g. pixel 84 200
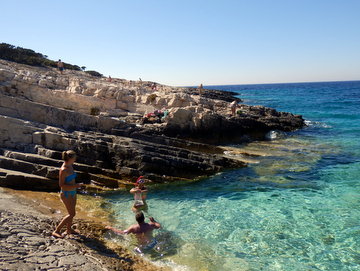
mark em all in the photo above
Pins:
pixel 69 193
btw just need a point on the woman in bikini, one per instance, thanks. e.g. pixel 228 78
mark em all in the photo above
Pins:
pixel 68 193
pixel 140 193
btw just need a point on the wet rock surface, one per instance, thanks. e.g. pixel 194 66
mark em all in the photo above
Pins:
pixel 26 244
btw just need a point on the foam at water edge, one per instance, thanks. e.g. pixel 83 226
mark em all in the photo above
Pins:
pixel 317 124
pixel 272 135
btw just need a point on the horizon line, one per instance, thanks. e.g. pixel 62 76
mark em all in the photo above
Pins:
pixel 277 83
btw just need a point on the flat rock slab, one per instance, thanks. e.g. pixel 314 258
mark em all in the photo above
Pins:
pixel 26 244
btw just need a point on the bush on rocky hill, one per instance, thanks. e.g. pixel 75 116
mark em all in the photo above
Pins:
pixel 29 57
pixel 94 73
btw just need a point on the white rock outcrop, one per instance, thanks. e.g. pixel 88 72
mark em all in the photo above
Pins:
pixel 84 93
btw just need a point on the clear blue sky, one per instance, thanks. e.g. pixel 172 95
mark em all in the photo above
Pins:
pixel 188 42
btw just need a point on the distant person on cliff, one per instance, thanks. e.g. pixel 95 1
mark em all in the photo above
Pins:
pixel 60 66
pixel 200 89
pixel 153 86
pixel 233 107
pixel 68 187
pixel 143 232
pixel 140 194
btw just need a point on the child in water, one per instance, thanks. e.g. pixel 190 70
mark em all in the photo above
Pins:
pixel 140 193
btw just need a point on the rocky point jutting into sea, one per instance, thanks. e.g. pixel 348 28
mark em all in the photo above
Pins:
pixel 44 112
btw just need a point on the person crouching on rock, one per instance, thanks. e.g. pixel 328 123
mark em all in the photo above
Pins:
pixel 68 193
pixel 140 193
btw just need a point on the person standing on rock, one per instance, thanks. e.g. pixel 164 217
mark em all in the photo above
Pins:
pixel 68 187
pixel 60 66
pixel 140 194
pixel 200 89
pixel 233 107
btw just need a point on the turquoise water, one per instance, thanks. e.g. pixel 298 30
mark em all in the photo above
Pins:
pixel 296 209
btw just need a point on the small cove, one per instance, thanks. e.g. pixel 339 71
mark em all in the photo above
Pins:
pixel 296 208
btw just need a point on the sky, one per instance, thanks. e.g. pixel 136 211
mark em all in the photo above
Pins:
pixel 188 42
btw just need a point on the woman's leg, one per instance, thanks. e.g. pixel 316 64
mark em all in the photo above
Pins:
pixel 68 202
pixel 72 213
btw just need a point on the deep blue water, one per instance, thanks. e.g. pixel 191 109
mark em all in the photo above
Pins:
pixel 297 208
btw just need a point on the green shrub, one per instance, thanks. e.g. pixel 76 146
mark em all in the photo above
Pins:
pixel 29 57
pixel 72 67
pixel 94 73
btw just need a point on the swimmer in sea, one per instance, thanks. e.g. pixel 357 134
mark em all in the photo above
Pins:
pixel 140 194
pixel 143 232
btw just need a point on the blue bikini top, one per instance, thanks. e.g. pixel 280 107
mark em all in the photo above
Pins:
pixel 70 177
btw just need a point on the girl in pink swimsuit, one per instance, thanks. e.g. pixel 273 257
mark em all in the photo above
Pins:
pixel 140 194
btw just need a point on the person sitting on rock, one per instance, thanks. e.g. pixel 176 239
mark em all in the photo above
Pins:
pixel 159 114
pixel 140 194
pixel 68 193
pixel 150 118
pixel 143 232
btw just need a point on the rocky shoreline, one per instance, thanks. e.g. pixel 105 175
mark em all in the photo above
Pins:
pixel 43 112
pixel 26 242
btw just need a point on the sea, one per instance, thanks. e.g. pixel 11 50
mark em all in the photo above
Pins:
pixel 295 207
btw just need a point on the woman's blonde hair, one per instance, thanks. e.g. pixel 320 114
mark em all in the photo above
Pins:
pixel 66 155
